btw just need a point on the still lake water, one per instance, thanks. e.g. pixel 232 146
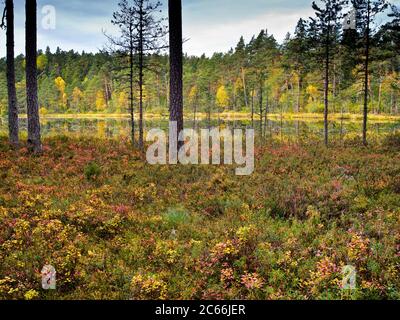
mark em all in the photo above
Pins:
pixel 276 128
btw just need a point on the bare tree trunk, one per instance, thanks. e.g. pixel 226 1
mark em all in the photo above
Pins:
pixel 244 88
pixel 366 80
pixel 12 95
pixel 298 94
pixel 176 64
pixel 334 87
pixel 261 107
pixel 380 96
pixel 252 109
pixel 141 57
pixel 34 139
pixel 266 115
pixel 131 107
pixel 194 112
pixel 326 89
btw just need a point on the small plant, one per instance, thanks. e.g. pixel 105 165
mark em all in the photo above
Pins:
pixel 149 287
pixel 175 217
pixel 92 171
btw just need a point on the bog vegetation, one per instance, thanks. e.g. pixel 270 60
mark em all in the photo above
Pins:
pixel 131 230
pixel 115 227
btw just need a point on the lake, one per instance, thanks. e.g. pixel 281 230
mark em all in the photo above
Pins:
pixel 276 128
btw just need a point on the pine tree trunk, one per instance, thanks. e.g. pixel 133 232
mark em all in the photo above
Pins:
pixel 252 108
pixel 34 139
pixel 380 97
pixel 261 107
pixel 141 83
pixel 176 63
pixel 131 106
pixel 326 90
pixel 298 94
pixel 366 80
pixel 12 95
pixel 244 88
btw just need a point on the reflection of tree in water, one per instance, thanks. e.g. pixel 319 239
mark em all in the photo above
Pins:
pixel 285 130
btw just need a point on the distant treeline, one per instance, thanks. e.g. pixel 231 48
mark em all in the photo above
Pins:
pixel 260 76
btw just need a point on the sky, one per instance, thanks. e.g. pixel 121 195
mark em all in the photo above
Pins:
pixel 209 25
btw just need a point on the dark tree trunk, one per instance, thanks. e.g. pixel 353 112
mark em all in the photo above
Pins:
pixel 176 63
pixel 252 109
pixel 245 88
pixel 326 90
pixel 12 95
pixel 366 80
pixel 131 106
pixel 261 107
pixel 34 140
pixel 141 78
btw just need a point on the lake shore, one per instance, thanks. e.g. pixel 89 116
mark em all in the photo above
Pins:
pixel 232 116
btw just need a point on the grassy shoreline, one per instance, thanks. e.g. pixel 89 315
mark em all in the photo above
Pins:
pixel 230 116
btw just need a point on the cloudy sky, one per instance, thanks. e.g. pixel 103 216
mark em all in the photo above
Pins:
pixel 210 25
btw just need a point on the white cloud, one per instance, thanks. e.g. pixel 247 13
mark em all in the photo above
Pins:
pixel 220 37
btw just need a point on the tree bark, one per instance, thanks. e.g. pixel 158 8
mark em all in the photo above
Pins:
pixel 244 88
pixel 176 64
pixel 252 108
pixel 131 107
pixel 34 139
pixel 366 80
pixel 261 107
pixel 12 95
pixel 326 90
pixel 141 79
pixel 299 82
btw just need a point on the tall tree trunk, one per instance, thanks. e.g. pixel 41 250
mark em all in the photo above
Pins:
pixel 299 81
pixel 244 88
pixel 366 80
pixel 261 107
pixel 326 90
pixel 266 115
pixel 252 108
pixel 141 57
pixel 334 87
pixel 380 96
pixel 176 63
pixel 194 112
pixel 131 106
pixel 12 95
pixel 34 139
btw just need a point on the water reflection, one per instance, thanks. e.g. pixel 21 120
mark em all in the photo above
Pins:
pixel 283 129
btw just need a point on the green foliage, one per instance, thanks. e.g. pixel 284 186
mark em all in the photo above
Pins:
pixel 92 171
pixel 175 217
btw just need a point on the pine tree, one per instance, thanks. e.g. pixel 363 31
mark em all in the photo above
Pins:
pixel 34 139
pixel 327 21
pixel 141 35
pixel 12 94
pixel 367 11
pixel 176 64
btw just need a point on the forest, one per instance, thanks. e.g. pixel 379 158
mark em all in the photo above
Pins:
pixel 259 75
pixel 84 214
